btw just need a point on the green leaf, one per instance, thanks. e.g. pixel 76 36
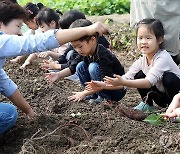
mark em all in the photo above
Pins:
pixel 154 119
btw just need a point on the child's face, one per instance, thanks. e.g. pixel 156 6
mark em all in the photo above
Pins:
pixel 146 41
pixel 44 27
pixel 13 27
pixel 85 48
pixel 32 24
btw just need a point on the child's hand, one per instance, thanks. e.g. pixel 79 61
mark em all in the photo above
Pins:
pixel 97 27
pixel 77 96
pixel 117 81
pixel 51 77
pixel 47 65
pixel 31 115
pixel 95 85
pixel 43 54
pixel 175 113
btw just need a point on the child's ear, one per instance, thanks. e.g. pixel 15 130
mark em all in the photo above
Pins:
pixel 52 24
pixel 160 40
pixel 34 19
pixel 93 38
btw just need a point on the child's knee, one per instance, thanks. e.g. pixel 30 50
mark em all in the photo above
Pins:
pixel 93 68
pixel 80 65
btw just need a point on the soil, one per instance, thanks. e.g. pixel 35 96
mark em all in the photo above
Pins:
pixel 64 127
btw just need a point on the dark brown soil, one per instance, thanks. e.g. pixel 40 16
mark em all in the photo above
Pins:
pixel 96 130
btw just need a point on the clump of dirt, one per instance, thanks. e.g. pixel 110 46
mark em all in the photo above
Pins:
pixel 66 127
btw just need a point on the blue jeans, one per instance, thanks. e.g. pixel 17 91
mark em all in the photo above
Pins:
pixel 93 72
pixel 8 117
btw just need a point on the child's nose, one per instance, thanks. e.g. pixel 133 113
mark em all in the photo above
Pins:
pixel 143 41
pixel 19 33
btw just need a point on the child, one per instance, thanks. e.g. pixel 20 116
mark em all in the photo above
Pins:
pixel 11 16
pixel 154 74
pixel 31 21
pixel 68 61
pixel 97 63
pixel 46 19
pixel 65 60
pixel 173 110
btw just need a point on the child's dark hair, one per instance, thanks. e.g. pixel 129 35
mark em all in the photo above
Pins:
pixel 82 23
pixel 14 1
pixel 155 26
pixel 46 15
pixel 69 17
pixel 33 9
pixel 10 11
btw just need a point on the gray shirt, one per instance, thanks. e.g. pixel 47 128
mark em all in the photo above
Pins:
pixel 161 63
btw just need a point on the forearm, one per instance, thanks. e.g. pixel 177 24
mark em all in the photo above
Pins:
pixel 174 104
pixel 86 92
pixel 113 87
pixel 18 100
pixel 64 73
pixel 54 55
pixel 67 35
pixel 137 83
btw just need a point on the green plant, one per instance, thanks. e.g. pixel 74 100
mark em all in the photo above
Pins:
pixel 89 7
pixel 156 120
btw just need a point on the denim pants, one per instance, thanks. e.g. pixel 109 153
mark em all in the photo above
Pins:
pixel 93 72
pixel 8 116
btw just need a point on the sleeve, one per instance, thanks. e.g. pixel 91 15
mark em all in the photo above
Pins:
pixel 156 72
pixel 74 62
pixel 13 45
pixel 133 70
pixel 106 64
pixel 62 59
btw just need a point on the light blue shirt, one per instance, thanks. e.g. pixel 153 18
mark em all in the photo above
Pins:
pixel 13 45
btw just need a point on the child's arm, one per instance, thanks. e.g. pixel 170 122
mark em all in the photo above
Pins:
pixel 52 54
pixel 67 35
pixel 91 88
pixel 18 100
pixel 174 108
pixel 119 81
pixel 100 85
pixel 174 113
pixel 55 76
pixel 78 96
pixel 47 65
pixel 174 104
pixel 29 60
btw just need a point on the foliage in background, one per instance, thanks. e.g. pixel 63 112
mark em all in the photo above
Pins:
pixel 89 7
pixel 122 37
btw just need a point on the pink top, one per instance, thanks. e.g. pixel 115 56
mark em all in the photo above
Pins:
pixel 161 62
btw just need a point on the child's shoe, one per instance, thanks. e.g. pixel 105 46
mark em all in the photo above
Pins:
pixel 96 101
pixel 144 107
pixel 73 77
pixel 93 96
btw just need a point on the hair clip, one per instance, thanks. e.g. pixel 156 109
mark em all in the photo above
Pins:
pixel 30 12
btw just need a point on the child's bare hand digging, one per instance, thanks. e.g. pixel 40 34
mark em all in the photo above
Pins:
pixel 173 110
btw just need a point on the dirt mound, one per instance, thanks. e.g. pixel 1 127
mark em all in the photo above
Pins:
pixel 59 129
